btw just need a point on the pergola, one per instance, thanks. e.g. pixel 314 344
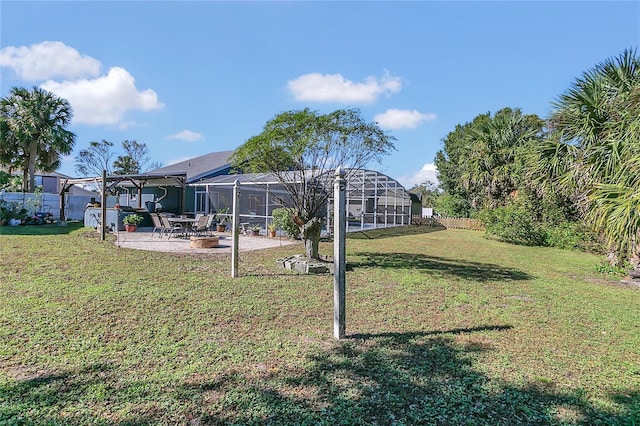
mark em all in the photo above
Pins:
pixel 107 182
pixel 374 200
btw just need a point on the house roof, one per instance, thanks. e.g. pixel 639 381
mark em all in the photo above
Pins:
pixel 37 173
pixel 137 180
pixel 202 167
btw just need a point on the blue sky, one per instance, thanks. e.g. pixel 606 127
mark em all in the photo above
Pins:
pixel 189 78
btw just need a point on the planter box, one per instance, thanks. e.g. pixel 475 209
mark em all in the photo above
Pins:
pixel 204 242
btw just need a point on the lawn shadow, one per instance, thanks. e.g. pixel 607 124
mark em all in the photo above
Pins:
pixel 62 397
pixel 469 270
pixel 417 377
pixel 393 231
pixel 405 336
pixel 402 378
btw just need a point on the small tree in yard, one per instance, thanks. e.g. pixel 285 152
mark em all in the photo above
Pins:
pixel 301 149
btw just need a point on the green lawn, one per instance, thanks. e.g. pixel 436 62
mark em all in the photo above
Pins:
pixel 445 327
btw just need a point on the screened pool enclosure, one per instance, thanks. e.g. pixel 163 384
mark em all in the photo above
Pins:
pixel 374 200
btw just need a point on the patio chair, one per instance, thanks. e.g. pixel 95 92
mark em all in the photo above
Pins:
pixel 171 228
pixel 244 227
pixel 157 225
pixel 211 218
pixel 200 227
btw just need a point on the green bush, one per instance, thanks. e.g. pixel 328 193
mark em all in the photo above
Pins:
pixel 11 210
pixel 519 225
pixel 565 235
pixel 452 206
pixel 283 219
pixel 515 225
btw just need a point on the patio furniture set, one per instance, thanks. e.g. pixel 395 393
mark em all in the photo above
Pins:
pixel 200 226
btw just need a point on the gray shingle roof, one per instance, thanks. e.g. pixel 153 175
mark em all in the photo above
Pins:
pixel 202 167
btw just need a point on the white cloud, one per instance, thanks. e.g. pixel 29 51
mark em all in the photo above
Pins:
pixel 106 99
pixel 186 135
pixel 402 118
pixel 317 87
pixel 48 60
pixel 428 172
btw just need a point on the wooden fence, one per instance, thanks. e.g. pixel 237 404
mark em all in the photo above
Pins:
pixel 449 222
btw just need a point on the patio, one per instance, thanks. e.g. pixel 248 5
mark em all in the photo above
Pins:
pixel 142 240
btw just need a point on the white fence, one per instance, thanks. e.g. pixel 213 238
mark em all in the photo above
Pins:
pixel 49 203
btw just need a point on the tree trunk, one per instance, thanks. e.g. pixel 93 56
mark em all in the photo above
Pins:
pixel 311 237
pixel 33 151
pixel 25 180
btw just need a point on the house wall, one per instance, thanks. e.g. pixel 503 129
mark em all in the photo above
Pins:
pixel 50 184
pixel 171 202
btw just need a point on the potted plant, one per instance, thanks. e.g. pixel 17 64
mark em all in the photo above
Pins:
pixel 132 221
pixel 255 230
pixel 221 219
pixel 272 229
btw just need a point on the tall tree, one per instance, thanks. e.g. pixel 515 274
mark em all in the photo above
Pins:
pixel 134 160
pixel 593 154
pixel 428 192
pixel 99 156
pixel 302 149
pixel 93 160
pixel 481 164
pixel 33 131
pixel 495 156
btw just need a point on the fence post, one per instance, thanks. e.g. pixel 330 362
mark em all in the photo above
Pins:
pixel 103 207
pixel 339 246
pixel 235 223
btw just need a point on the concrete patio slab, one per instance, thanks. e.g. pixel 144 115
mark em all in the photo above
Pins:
pixel 142 240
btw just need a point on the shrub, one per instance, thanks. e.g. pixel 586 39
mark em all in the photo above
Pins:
pixel 283 219
pixel 517 224
pixel 11 210
pixel 514 225
pixel 565 235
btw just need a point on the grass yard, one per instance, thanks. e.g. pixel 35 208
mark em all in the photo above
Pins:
pixel 445 327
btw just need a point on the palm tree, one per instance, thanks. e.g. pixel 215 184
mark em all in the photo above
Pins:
pixel 491 170
pixel 33 132
pixel 594 154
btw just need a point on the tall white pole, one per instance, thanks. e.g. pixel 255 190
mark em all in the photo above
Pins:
pixel 235 224
pixel 339 248
pixel 103 207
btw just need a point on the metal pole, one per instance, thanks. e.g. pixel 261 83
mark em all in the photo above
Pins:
pixel 339 262
pixel 235 224
pixel 103 207
pixel 363 206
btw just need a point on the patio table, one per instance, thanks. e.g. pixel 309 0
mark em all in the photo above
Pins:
pixel 186 222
